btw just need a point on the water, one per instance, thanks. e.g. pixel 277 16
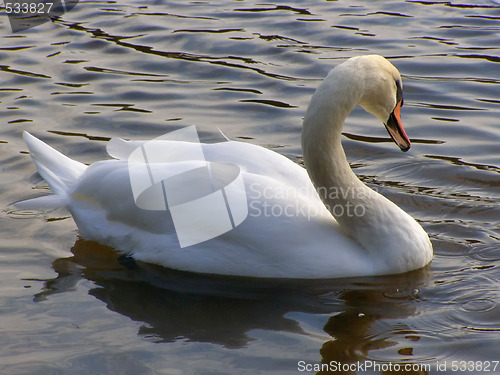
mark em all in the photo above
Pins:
pixel 139 70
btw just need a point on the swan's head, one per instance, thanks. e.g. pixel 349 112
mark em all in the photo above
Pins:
pixel 383 94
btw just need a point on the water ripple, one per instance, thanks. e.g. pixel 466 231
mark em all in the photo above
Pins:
pixel 137 71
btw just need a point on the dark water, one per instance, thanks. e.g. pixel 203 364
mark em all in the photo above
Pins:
pixel 139 70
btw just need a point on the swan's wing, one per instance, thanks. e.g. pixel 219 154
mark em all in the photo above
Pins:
pixel 108 185
pixel 293 238
pixel 269 178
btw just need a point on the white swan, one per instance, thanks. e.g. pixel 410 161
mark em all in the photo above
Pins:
pixel 290 231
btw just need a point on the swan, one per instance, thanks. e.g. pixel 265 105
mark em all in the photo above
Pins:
pixel 312 223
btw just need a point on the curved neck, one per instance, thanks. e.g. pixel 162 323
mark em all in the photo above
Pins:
pixel 348 199
pixel 393 239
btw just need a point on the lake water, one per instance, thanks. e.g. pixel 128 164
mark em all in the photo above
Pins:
pixel 138 70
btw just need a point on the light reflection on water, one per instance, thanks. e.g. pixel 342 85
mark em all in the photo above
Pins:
pixel 140 70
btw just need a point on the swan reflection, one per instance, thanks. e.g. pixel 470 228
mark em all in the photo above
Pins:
pixel 177 305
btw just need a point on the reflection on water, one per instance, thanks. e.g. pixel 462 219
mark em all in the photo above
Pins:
pixel 139 70
pixel 174 305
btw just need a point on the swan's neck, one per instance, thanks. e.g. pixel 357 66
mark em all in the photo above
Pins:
pixel 393 239
pixel 359 210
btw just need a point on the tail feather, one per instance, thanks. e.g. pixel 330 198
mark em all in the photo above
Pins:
pixel 58 170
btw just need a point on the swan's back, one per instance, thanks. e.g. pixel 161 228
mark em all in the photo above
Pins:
pixel 274 240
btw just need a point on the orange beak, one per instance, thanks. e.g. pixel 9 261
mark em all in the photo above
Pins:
pixel 396 130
